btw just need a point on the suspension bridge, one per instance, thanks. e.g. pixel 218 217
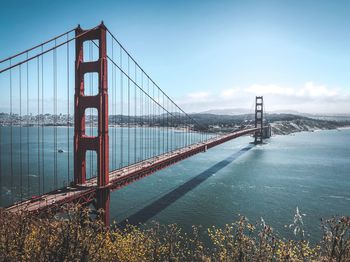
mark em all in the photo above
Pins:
pixel 118 126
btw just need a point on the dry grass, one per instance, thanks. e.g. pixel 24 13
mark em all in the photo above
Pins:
pixel 77 237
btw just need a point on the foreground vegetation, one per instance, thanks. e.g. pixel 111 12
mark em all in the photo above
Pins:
pixel 76 237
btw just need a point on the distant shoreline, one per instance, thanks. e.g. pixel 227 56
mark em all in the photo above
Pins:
pixel 290 127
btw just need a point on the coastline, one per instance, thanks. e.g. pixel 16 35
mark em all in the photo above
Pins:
pixel 309 125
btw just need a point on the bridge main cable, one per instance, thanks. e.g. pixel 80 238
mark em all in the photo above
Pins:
pixel 143 71
pixel 43 52
pixel 37 46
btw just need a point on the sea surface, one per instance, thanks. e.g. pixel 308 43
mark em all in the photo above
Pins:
pixel 308 170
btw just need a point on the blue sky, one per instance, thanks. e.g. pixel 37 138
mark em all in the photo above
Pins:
pixel 213 54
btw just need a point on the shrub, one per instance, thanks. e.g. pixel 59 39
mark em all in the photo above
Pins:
pixel 76 236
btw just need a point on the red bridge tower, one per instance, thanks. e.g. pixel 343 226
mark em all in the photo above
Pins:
pixel 82 142
pixel 259 119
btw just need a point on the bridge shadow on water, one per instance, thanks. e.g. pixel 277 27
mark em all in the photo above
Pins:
pixel 160 204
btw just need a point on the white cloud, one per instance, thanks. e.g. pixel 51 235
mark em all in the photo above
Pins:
pixel 308 98
pixel 229 93
pixel 198 96
pixel 312 90
pixel 270 89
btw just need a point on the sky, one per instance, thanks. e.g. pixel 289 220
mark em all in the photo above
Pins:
pixel 213 54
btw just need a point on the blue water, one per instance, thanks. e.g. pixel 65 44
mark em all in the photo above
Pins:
pixel 305 170
pixel 30 163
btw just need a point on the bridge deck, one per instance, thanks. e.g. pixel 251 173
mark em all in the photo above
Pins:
pixel 86 193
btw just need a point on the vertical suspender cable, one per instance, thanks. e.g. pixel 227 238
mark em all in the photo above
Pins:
pixel 113 108
pixel 153 125
pixel 188 132
pixel 1 165
pixel 135 138
pixel 128 111
pixel 175 128
pixel 138 126
pixel 150 144
pixel 42 115
pixel 55 114
pixel 184 129
pixel 159 122
pixel 167 123
pixel 191 131
pixel 115 115
pixel 167 126
pixel 27 82
pixel 20 132
pixel 121 110
pixel 163 125
pixel 68 116
pixel 171 126
pixel 11 135
pixel 141 118
pixel 149 122
pixel 38 123
pixel 164 130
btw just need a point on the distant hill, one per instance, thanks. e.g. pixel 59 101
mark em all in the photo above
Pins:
pixel 231 111
pixel 286 112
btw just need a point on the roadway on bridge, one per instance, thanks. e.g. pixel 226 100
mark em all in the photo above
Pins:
pixel 120 177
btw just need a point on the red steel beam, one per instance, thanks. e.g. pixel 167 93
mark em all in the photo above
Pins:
pixel 82 142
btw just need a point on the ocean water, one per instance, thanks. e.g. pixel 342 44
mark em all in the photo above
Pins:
pixel 305 170
pixel 31 164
